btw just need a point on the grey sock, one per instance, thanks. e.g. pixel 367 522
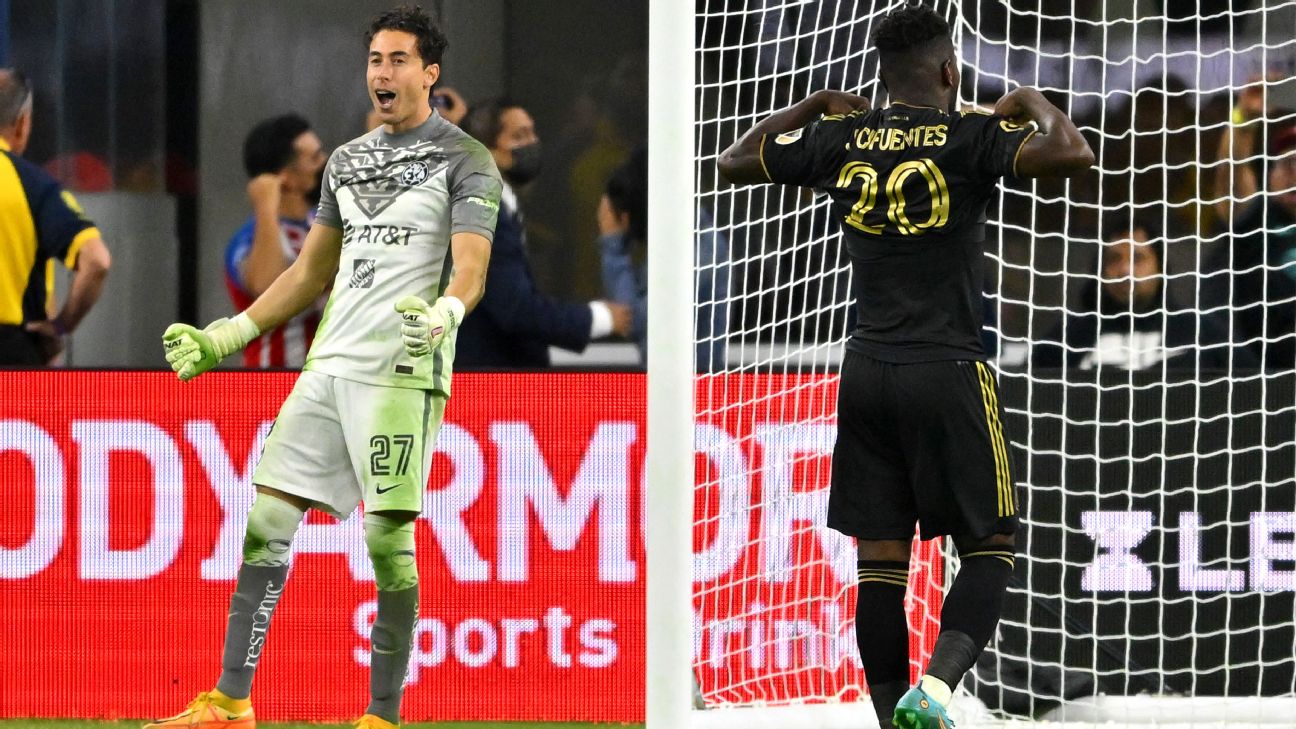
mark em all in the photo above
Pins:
pixel 254 600
pixel 393 634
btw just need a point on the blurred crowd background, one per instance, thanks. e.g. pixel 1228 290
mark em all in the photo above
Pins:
pixel 1185 104
pixel 141 108
pixel 1182 239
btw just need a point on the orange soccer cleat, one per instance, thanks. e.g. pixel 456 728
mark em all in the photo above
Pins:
pixel 369 721
pixel 206 712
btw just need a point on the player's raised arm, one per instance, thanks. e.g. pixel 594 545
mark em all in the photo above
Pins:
pixel 741 163
pixel 1058 149
pixel 191 351
pixel 1236 183
pixel 302 282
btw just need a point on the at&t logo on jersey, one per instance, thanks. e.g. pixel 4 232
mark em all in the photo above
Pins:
pixel 388 235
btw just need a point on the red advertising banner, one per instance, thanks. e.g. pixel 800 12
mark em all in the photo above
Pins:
pixel 775 608
pixel 126 495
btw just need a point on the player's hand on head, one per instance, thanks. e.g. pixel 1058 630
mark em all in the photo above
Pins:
pixel 841 102
pixel 424 327
pixel 1015 104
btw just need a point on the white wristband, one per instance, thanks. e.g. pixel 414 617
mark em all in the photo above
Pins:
pixel 600 320
pixel 456 308
pixel 231 335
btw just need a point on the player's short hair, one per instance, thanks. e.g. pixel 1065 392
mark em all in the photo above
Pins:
pixel 483 121
pixel 269 146
pixel 627 190
pixel 15 95
pixel 411 19
pixel 912 30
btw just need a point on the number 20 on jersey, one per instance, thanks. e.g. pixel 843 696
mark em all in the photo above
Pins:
pixel 896 211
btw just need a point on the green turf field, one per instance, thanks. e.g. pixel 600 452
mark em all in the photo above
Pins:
pixel 83 724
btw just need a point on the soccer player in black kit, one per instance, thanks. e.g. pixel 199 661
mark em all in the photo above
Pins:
pixel 920 428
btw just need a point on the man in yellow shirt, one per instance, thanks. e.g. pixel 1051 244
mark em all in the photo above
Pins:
pixel 39 222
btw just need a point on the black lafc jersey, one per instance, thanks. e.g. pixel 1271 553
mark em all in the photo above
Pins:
pixel 909 186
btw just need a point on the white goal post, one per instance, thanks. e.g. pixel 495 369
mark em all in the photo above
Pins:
pixel 668 469
pixel 1157 558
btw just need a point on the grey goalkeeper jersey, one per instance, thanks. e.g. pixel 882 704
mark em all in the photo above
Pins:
pixel 397 198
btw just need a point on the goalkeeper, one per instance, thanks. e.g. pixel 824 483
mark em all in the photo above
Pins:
pixel 406 216
pixel 920 435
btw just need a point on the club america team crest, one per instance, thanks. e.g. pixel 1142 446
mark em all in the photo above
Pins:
pixel 415 173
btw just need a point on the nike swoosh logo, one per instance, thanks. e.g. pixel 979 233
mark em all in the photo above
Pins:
pixel 382 490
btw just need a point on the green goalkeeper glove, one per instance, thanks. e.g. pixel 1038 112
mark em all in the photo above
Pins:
pixel 191 351
pixel 423 327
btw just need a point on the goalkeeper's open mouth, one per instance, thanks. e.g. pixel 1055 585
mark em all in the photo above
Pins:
pixel 385 100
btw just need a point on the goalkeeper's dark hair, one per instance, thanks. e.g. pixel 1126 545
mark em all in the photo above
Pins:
pixel 627 191
pixel 413 20
pixel 483 121
pixel 15 95
pixel 912 32
pixel 269 146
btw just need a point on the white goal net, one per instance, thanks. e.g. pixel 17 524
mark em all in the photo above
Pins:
pixel 1148 384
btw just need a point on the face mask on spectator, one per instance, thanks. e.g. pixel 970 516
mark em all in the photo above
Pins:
pixel 527 162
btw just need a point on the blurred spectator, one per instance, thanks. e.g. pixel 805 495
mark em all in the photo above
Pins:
pixel 285 164
pixel 39 222
pixel 1166 160
pixel 1127 319
pixel 447 102
pixel 623 234
pixel 515 324
pixel 1255 274
pixel 604 123
pixel 1238 180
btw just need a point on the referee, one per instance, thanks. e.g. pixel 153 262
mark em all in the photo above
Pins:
pixel 39 222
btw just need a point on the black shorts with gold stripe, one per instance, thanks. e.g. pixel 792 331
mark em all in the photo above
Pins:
pixel 920 443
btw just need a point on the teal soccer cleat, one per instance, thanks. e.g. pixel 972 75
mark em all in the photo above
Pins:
pixel 917 710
